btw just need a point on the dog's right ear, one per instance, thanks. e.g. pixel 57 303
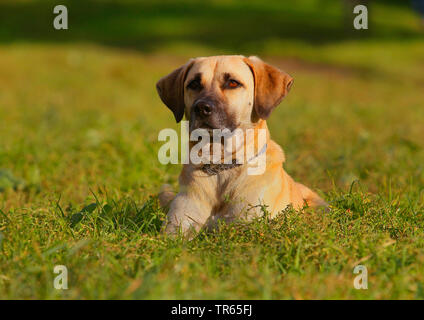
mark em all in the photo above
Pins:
pixel 171 90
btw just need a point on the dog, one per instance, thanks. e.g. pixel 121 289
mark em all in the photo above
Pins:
pixel 233 92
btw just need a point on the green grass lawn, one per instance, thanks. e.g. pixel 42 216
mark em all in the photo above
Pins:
pixel 79 174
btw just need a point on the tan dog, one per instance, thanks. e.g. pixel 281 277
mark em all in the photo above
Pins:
pixel 229 92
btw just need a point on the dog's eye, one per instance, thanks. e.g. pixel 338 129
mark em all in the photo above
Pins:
pixel 232 84
pixel 194 85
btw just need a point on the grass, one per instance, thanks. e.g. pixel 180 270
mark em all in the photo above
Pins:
pixel 79 174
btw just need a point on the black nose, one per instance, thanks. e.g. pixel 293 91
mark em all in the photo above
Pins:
pixel 203 108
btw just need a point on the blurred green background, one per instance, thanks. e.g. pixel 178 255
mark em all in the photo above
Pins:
pixel 79 119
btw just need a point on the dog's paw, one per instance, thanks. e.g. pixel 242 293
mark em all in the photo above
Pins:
pixel 166 195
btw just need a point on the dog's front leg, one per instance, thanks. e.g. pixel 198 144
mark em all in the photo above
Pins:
pixel 186 215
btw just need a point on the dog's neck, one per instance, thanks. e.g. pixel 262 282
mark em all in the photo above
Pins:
pixel 254 144
pixel 213 169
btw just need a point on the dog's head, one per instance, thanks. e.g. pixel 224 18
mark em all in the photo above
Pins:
pixel 224 91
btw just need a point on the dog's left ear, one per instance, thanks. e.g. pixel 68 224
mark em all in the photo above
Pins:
pixel 171 90
pixel 271 86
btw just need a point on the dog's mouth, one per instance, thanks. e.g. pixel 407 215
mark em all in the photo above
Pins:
pixel 195 124
pixel 207 127
pixel 209 114
pixel 211 128
pixel 216 122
